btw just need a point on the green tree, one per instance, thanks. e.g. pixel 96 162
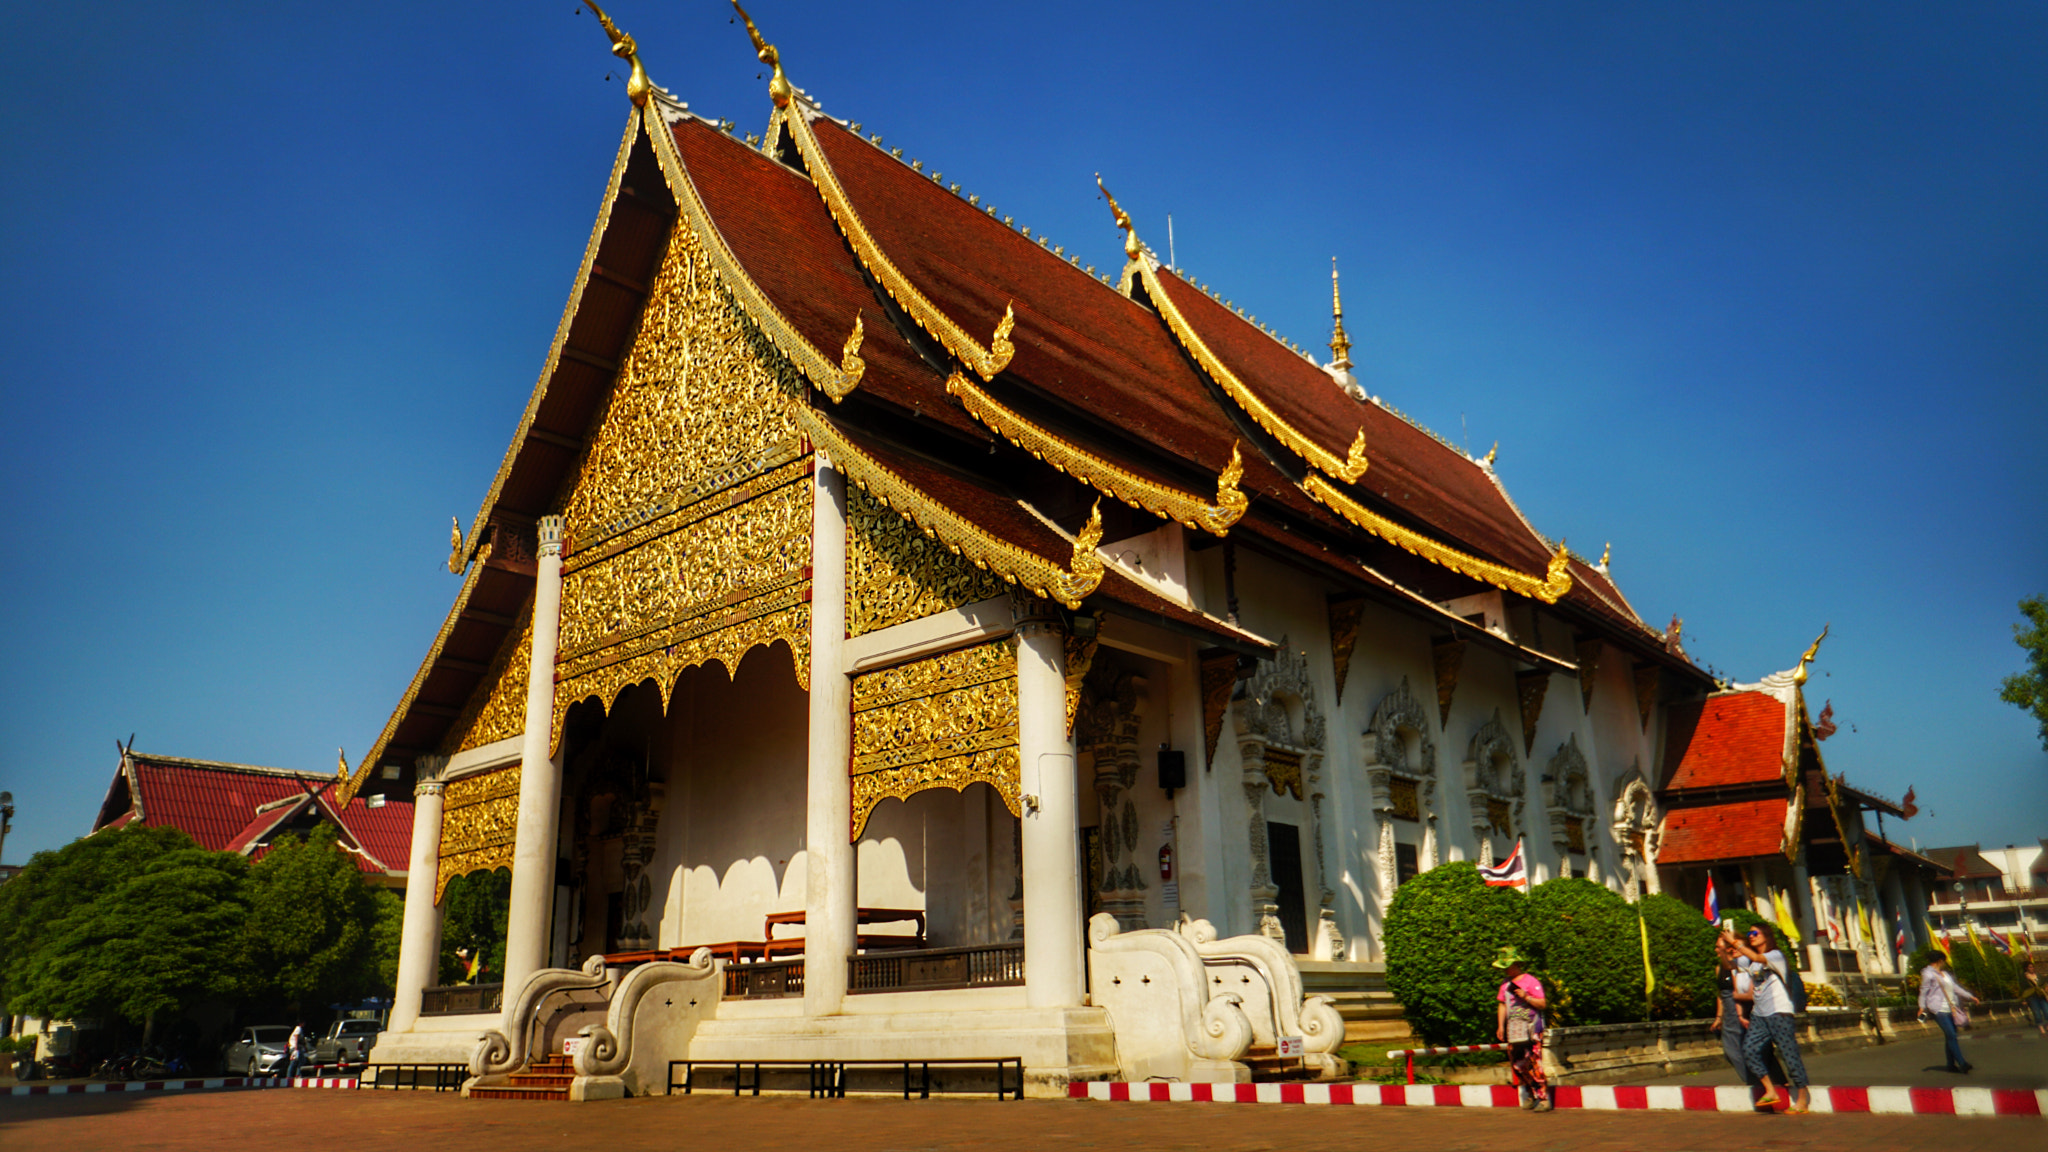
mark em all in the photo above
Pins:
pixel 132 923
pixel 2028 690
pixel 311 929
pixel 1588 949
pixel 475 912
pixel 1443 930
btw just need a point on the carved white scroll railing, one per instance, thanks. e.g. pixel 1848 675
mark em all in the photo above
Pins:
pixel 608 1048
pixel 507 1047
pixel 1156 991
pixel 1313 1018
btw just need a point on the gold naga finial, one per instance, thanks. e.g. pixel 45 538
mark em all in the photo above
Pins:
pixel 1812 650
pixel 1606 550
pixel 851 366
pixel 1557 577
pixel 1229 500
pixel 638 87
pixel 1123 220
pixel 1340 344
pixel 1493 454
pixel 1355 461
pixel 341 763
pixel 778 84
pixel 455 544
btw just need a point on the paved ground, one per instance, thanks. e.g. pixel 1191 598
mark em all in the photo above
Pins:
pixel 374 1121
pixel 2006 1057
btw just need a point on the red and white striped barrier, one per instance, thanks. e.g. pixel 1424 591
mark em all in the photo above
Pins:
pixel 96 1086
pixel 1621 1097
pixel 1412 1053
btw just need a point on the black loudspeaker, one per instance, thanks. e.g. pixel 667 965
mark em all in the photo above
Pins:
pixel 1173 770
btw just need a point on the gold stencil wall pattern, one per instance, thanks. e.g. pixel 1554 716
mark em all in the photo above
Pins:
pixel 690 517
pixel 497 709
pixel 895 573
pixel 479 818
pixel 943 722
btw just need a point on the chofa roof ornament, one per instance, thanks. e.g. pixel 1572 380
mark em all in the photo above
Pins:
pixel 778 84
pixel 638 87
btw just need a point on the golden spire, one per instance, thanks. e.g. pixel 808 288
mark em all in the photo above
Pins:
pixel 1340 344
pixel 1813 650
pixel 637 85
pixel 1123 221
pixel 341 764
pixel 778 84
pixel 1606 551
pixel 1492 453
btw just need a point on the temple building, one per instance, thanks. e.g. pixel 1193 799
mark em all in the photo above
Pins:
pixel 913 643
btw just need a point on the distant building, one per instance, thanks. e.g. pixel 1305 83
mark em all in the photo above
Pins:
pixel 2003 888
pixel 244 808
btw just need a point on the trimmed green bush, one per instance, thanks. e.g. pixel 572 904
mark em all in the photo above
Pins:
pixel 1588 948
pixel 1443 930
pixel 1989 973
pixel 1682 954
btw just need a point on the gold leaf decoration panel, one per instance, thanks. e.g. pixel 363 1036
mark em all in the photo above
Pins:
pixel 497 709
pixel 479 821
pixel 895 573
pixel 690 515
pixel 946 721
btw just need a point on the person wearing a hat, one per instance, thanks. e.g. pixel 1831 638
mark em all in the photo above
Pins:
pixel 1518 1023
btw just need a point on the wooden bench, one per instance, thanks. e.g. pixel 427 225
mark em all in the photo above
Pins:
pixel 864 939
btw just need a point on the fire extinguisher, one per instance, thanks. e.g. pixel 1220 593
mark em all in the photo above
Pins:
pixel 1165 862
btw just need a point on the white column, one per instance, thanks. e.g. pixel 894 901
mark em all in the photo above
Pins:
pixel 1052 853
pixel 829 915
pixel 540 782
pixel 419 942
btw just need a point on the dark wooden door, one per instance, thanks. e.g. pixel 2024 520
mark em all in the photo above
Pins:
pixel 1283 852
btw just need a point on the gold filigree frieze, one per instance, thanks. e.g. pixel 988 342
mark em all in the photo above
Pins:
pixel 961 536
pixel 1347 468
pixel 895 573
pixel 986 362
pixel 1555 582
pixel 479 822
pixel 1283 772
pixel 1109 479
pixel 497 708
pixel 946 721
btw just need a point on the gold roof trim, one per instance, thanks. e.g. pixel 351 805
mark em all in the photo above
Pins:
pixel 986 362
pixel 466 553
pixel 1555 582
pixel 962 537
pixel 1105 477
pixel 834 380
pixel 1348 469
pixel 346 788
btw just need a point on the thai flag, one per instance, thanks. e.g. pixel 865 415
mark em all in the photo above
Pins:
pixel 1899 941
pixel 1999 939
pixel 1712 906
pixel 1509 873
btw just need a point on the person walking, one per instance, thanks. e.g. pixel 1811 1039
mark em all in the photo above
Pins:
pixel 1518 1023
pixel 294 1052
pixel 2035 995
pixel 1772 1023
pixel 1729 1018
pixel 1942 998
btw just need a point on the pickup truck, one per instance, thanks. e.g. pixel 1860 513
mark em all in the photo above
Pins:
pixel 347 1042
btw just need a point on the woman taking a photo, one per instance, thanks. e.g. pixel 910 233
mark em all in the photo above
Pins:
pixel 1771 1020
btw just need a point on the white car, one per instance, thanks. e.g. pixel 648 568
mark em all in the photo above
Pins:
pixel 258 1051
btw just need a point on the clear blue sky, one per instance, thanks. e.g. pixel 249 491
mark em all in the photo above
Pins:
pixel 1759 292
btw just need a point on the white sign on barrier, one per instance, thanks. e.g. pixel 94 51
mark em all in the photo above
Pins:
pixel 572 1045
pixel 1293 1046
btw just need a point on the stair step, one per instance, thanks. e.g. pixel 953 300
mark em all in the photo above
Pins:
pixel 541 1080
pixel 510 1093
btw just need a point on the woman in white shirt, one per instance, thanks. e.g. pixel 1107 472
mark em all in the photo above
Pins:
pixel 1771 1023
pixel 1939 997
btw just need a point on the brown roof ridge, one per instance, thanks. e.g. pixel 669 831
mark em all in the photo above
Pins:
pixel 229 766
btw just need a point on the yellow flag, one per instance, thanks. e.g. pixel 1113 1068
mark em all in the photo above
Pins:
pixel 1938 940
pixel 1649 976
pixel 1863 921
pixel 1788 924
pixel 1974 942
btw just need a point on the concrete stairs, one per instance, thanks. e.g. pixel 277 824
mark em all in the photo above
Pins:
pixel 1359 989
pixel 547 1078
pixel 1269 1067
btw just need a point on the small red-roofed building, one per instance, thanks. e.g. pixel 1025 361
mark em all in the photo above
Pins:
pixel 1747 801
pixel 244 808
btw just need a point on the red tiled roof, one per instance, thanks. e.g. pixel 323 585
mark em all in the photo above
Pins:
pixel 216 804
pixel 1729 739
pixel 1735 831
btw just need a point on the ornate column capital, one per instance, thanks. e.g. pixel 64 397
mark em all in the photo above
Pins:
pixel 551 530
pixel 428 767
pixel 429 788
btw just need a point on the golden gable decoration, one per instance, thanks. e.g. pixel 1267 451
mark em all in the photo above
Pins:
pixel 479 821
pixel 946 721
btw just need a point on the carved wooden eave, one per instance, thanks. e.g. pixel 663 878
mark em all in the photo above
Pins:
pixel 1447 653
pixel 961 536
pixel 836 379
pixel 1345 612
pixel 1347 468
pixel 1531 686
pixel 1080 657
pixel 1587 652
pixel 1219 678
pixel 1214 517
pixel 986 362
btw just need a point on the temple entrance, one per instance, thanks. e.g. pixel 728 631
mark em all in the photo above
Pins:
pixel 1284 842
